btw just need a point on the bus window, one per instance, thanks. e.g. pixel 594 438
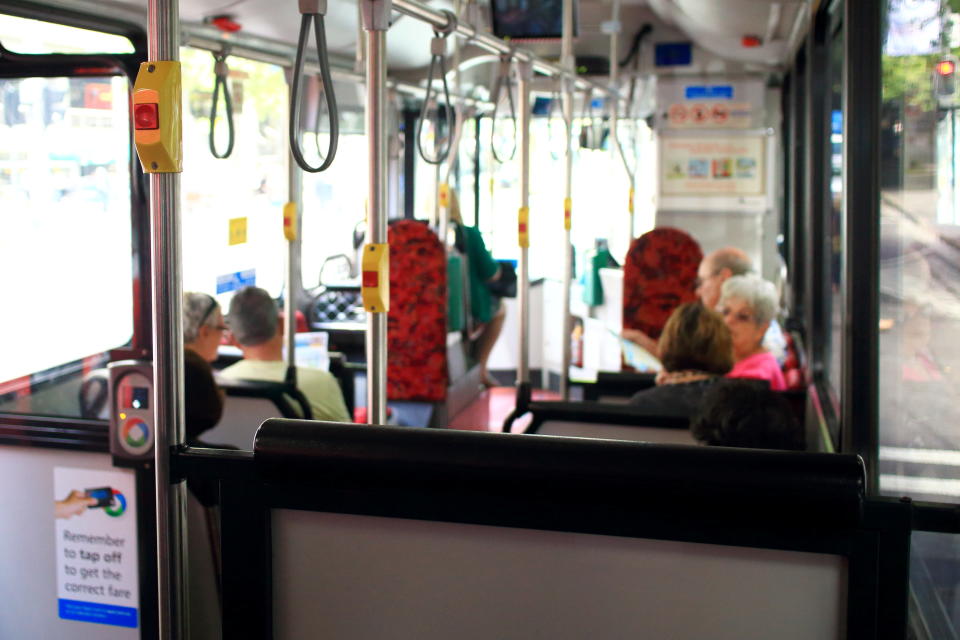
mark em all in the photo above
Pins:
pixel 334 204
pixel 834 295
pixel 919 276
pixel 233 208
pixel 21 35
pixel 65 237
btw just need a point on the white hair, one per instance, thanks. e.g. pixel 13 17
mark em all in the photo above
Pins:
pixel 195 305
pixel 759 294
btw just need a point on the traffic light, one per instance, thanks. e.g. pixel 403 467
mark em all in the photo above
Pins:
pixel 944 81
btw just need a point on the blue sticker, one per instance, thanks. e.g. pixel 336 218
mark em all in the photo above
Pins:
pixel 836 121
pixel 96 612
pixel 238 280
pixel 710 92
pixel 672 54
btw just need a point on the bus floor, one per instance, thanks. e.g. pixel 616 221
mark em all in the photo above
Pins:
pixel 488 411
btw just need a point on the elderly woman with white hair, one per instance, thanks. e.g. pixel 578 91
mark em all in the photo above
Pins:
pixel 748 304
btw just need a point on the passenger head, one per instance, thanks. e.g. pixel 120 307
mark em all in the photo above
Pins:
pixel 202 324
pixel 745 413
pixel 254 318
pixel 696 339
pixel 714 270
pixel 748 304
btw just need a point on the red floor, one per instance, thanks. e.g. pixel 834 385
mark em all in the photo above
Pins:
pixel 491 408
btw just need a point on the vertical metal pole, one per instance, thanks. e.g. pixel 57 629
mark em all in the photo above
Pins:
pixel 163 44
pixel 525 72
pixel 294 195
pixel 376 15
pixel 567 61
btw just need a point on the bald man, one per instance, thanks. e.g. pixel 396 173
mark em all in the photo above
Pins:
pixel 714 270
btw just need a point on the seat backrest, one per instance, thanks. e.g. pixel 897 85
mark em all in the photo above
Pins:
pixel 417 322
pixel 248 403
pixel 608 431
pixel 659 275
pixel 568 538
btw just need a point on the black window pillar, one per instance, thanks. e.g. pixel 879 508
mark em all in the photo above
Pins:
pixel 861 200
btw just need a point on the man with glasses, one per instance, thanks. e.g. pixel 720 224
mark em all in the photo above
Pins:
pixel 715 269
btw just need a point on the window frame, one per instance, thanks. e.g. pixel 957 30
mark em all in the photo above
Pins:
pixel 74 432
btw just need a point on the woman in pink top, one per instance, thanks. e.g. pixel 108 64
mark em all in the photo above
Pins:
pixel 748 304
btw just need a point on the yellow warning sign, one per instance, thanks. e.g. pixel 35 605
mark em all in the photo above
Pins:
pixel 238 231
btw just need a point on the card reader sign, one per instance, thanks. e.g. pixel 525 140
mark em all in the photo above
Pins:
pixel 238 280
pixel 96 546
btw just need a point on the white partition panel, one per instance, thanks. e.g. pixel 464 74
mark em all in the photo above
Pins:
pixel 615 432
pixel 28 546
pixel 365 578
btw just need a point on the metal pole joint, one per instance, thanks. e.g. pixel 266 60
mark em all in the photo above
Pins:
pixel 376 14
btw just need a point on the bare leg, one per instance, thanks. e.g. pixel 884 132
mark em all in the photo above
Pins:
pixel 488 338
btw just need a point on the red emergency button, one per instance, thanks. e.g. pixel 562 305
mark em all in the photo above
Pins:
pixel 146 116
pixel 371 279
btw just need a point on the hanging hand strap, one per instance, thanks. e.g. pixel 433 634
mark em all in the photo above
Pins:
pixel 313 10
pixel 221 71
pixel 503 84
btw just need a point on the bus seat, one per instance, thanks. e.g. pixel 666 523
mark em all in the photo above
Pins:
pixel 567 538
pixel 248 403
pixel 607 422
pixel 456 305
pixel 95 394
pixel 203 576
pixel 659 274
pixel 417 322
pixel 606 431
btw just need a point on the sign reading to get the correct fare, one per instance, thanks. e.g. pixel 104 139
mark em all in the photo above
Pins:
pixel 96 547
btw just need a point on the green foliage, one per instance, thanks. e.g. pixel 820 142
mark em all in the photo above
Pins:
pixel 908 79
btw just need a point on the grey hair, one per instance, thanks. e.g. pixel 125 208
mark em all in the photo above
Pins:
pixel 194 306
pixel 734 259
pixel 758 293
pixel 253 316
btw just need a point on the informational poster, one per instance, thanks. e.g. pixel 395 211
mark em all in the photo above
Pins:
pixel 701 105
pixel 715 166
pixel 96 548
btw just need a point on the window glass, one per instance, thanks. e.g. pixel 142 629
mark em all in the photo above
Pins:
pixel 233 208
pixel 833 300
pixel 65 238
pixel 934 585
pixel 334 206
pixel 22 35
pixel 919 257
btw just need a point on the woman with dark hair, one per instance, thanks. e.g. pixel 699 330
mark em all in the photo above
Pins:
pixel 746 413
pixel 695 350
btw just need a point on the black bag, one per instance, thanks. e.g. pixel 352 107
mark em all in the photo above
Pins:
pixel 506 285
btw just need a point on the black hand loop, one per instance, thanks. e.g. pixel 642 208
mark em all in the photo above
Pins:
pixel 327 83
pixel 221 72
pixel 437 60
pixel 503 83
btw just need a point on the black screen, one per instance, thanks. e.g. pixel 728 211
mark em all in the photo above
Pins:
pixel 530 19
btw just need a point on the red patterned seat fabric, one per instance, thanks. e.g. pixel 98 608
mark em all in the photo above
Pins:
pixel 417 322
pixel 659 275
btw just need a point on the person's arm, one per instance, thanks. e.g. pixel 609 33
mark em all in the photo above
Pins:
pixel 639 337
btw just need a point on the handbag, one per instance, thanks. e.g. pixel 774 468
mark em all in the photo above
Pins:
pixel 506 285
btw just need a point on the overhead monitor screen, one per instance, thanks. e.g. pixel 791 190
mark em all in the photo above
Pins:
pixel 530 19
